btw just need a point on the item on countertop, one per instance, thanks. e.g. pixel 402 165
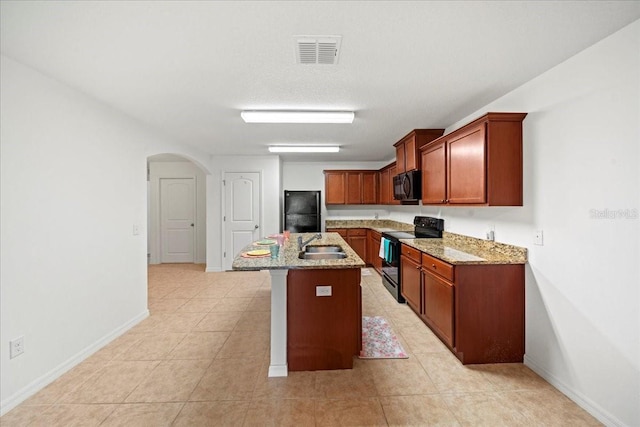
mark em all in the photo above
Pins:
pixel 275 249
pixel 259 252
pixel 287 234
pixel 244 255
pixel 265 242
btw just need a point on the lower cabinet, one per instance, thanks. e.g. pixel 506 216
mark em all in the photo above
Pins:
pixel 411 288
pixel 477 310
pixel 373 250
pixel 355 237
pixel 438 306
pixel 323 332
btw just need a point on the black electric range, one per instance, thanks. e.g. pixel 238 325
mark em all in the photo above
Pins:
pixel 424 228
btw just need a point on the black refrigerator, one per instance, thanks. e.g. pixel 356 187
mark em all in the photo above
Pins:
pixel 302 211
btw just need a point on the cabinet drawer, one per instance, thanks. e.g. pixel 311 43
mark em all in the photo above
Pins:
pixel 356 232
pixel 437 266
pixel 410 252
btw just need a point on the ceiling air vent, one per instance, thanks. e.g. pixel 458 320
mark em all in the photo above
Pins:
pixel 317 49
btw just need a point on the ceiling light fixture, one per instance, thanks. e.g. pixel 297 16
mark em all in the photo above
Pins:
pixel 304 148
pixel 270 116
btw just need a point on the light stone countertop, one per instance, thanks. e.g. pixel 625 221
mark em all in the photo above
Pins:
pixel 459 249
pixel 288 256
pixel 452 248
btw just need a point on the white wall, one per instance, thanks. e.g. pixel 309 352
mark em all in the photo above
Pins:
pixel 309 176
pixel 581 153
pixel 270 170
pixel 158 170
pixel 73 184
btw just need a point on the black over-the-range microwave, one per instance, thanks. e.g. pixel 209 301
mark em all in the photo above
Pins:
pixel 406 186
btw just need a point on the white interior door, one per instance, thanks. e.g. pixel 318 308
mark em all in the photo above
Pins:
pixel 241 212
pixel 177 219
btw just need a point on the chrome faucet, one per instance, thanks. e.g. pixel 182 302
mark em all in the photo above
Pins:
pixel 302 244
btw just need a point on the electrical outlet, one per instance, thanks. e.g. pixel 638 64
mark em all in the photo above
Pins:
pixel 136 229
pixel 16 347
pixel 323 291
pixel 537 238
pixel 491 232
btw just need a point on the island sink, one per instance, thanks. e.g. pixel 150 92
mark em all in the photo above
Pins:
pixel 324 248
pixel 322 252
pixel 322 255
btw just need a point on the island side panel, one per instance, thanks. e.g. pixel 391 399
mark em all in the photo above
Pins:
pixel 323 332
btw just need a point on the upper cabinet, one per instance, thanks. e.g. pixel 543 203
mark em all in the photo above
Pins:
pixel 434 178
pixel 478 164
pixel 335 188
pixel 385 195
pixel 351 187
pixel 407 149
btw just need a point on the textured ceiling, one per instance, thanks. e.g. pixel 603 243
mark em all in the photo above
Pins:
pixel 187 69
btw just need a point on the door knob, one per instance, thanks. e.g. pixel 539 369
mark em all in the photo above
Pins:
pixel 256 227
pixel 192 225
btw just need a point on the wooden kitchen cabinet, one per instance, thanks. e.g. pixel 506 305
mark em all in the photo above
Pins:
pixel 434 177
pixel 385 192
pixel 438 306
pixel 370 188
pixel 407 154
pixel 354 188
pixel 373 250
pixel 400 157
pixel 392 172
pixel 438 298
pixel 357 239
pixel 411 280
pixel 466 166
pixel 478 164
pixel 477 310
pixel 335 188
pixel 323 332
pixel 351 187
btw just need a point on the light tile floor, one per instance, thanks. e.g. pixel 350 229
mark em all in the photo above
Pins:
pixel 202 356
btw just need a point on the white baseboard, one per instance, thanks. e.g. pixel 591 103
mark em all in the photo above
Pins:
pixel 213 269
pixel 580 399
pixel 39 383
pixel 279 370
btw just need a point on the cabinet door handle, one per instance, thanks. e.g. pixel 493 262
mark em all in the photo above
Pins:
pixel 434 266
pixel 418 268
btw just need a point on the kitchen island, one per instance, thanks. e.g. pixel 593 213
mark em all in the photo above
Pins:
pixel 313 303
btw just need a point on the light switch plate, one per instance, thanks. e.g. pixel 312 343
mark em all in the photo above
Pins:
pixel 323 291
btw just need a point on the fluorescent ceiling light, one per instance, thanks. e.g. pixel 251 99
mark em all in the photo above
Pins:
pixel 266 116
pixel 304 148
